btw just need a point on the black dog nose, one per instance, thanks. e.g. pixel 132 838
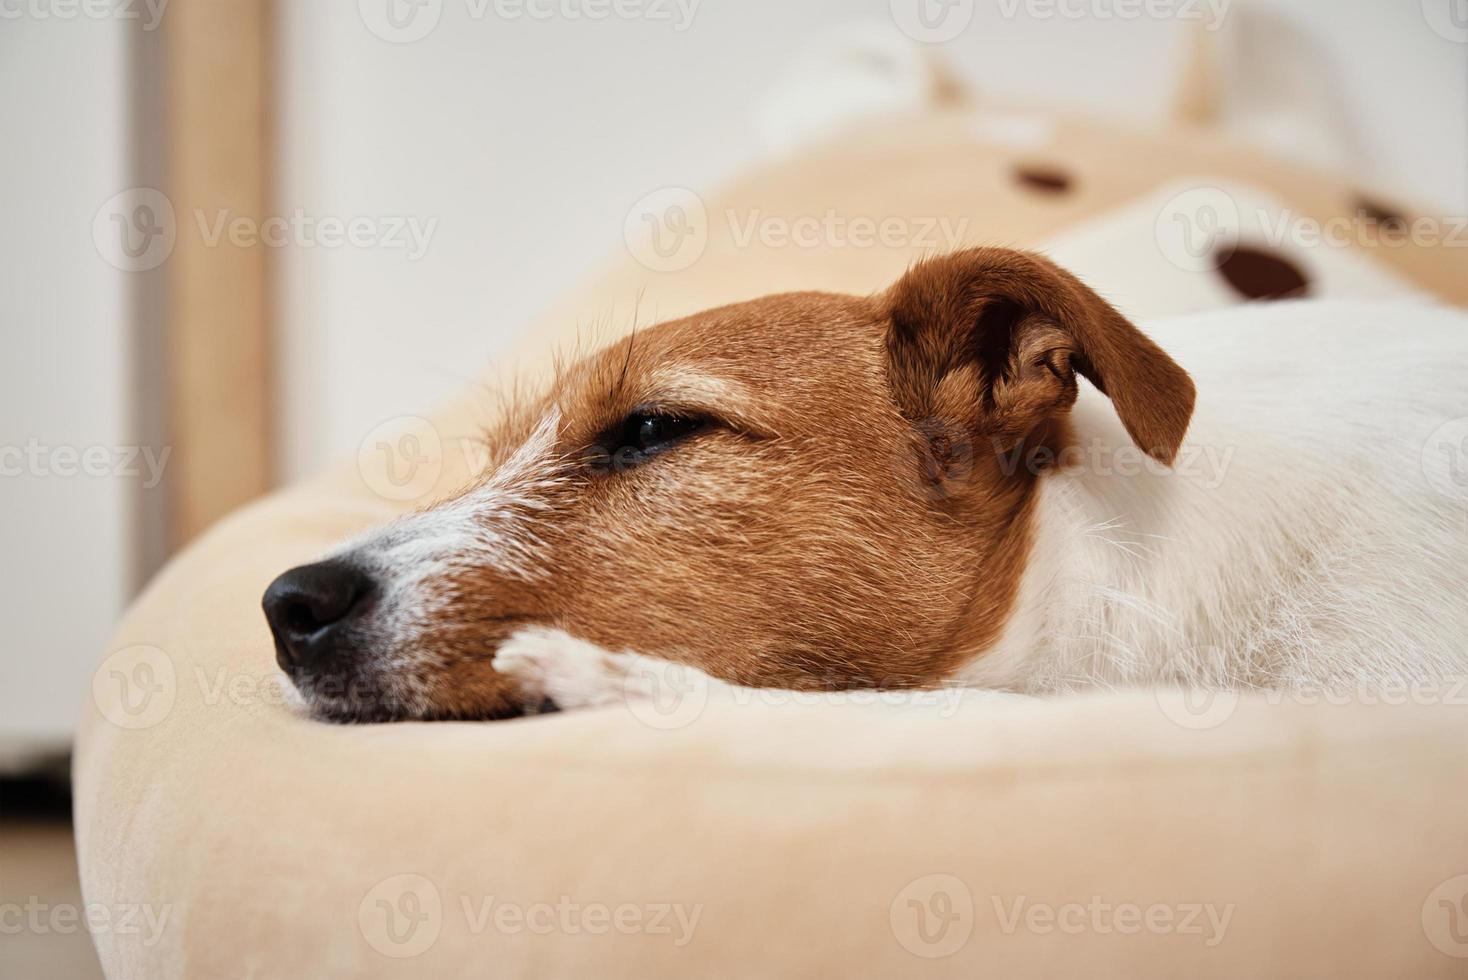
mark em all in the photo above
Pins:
pixel 307 606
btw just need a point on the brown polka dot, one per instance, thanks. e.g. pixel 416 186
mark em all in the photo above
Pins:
pixel 1256 274
pixel 1386 216
pixel 1046 180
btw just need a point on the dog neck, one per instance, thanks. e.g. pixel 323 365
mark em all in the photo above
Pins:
pixel 1118 544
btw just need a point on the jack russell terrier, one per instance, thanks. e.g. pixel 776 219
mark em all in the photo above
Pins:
pixel 913 489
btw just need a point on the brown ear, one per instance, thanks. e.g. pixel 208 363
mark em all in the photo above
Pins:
pixel 1007 331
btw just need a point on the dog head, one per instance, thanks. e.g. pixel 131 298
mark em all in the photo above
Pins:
pixel 805 491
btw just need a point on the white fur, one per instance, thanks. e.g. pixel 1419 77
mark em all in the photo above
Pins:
pixel 550 664
pixel 572 673
pixel 1319 555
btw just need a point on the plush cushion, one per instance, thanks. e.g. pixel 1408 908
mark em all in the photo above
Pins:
pixel 1127 834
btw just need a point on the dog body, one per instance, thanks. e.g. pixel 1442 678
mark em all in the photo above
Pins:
pixel 1297 538
pixel 913 489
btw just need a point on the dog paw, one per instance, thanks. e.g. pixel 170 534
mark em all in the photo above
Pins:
pixel 555 669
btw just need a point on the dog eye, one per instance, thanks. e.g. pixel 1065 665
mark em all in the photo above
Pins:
pixel 644 433
pixel 653 431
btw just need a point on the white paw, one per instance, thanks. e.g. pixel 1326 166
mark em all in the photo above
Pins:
pixel 550 665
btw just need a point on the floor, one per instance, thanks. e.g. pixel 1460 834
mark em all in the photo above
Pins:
pixel 41 907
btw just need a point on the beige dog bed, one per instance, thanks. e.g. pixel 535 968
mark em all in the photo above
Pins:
pixel 1125 834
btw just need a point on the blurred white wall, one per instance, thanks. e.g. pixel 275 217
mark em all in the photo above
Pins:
pixel 65 391
pixel 527 140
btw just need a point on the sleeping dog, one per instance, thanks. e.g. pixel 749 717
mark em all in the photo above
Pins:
pixel 916 489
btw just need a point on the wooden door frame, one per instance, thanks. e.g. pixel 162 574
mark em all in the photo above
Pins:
pixel 214 68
